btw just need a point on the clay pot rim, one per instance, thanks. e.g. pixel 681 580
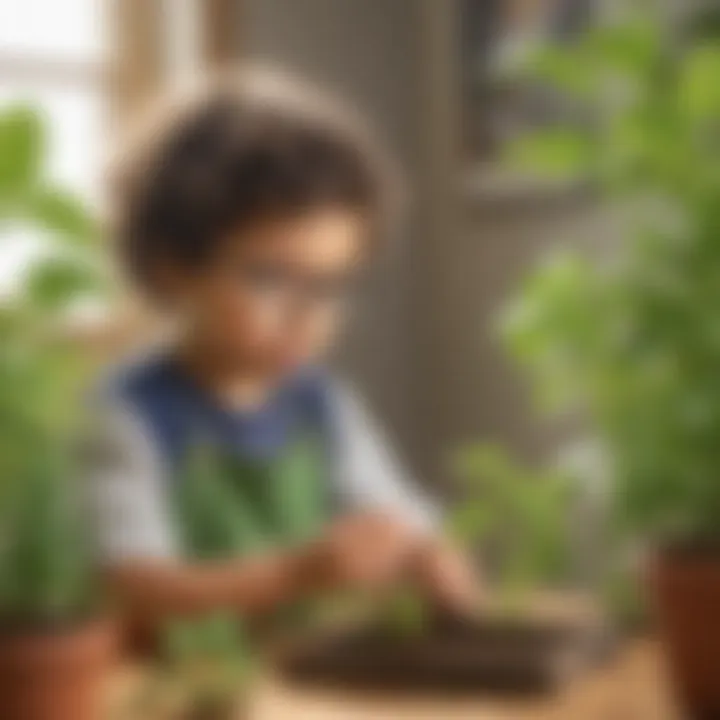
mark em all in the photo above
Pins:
pixel 87 636
pixel 689 548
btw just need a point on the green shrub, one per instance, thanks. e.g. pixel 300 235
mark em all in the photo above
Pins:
pixel 632 342
pixel 202 671
pixel 519 517
pixel 43 569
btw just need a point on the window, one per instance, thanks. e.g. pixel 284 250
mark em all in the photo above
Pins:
pixel 52 56
pixel 88 65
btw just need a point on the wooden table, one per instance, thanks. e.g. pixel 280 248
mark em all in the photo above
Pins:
pixel 633 687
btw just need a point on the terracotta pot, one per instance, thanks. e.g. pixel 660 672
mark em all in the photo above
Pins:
pixel 55 675
pixel 686 594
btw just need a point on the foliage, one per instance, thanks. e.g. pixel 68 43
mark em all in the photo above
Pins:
pixel 44 570
pixel 205 665
pixel 229 504
pixel 404 613
pixel 210 517
pixel 632 342
pixel 207 660
pixel 518 516
pixel 42 566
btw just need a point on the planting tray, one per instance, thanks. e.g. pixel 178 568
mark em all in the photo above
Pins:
pixel 498 655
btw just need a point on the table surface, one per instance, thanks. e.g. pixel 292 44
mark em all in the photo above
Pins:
pixel 632 687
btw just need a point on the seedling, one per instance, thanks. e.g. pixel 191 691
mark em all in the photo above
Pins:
pixel 518 517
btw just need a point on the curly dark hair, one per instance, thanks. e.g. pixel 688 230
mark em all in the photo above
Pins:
pixel 252 148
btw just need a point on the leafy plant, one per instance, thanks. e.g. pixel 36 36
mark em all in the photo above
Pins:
pixel 631 342
pixel 229 504
pixel 212 520
pixel 205 666
pixel 519 517
pixel 42 566
pixel 206 661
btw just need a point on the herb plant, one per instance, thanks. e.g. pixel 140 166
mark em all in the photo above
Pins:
pixel 631 341
pixel 203 671
pixel 518 517
pixel 43 573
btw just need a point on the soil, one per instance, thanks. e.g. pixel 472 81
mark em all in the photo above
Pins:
pixel 508 655
pixel 214 712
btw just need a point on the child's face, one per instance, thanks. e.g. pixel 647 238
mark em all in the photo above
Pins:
pixel 272 296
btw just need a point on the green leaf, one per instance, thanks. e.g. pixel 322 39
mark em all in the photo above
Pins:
pixel 630 47
pixel 22 145
pixel 44 571
pixel 212 522
pixel 700 82
pixel 61 212
pixel 517 513
pixel 557 153
pixel 44 564
pixel 472 522
pixel 560 68
pixel 54 283
pixel 406 613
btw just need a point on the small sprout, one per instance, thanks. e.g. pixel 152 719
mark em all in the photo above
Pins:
pixel 405 613
pixel 207 664
pixel 517 515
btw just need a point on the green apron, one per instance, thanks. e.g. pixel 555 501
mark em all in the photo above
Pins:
pixel 230 506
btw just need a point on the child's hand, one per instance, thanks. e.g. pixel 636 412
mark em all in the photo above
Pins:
pixel 447 577
pixel 361 551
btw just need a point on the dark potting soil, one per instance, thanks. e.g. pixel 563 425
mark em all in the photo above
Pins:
pixel 211 712
pixel 494 655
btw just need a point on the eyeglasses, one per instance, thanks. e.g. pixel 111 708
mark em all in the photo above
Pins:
pixel 285 286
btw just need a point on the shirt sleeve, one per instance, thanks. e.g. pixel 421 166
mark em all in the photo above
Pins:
pixel 124 478
pixel 367 474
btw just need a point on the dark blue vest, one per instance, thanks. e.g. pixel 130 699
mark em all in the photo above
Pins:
pixel 178 412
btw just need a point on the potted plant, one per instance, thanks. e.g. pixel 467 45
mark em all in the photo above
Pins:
pixel 53 648
pixel 519 518
pixel 628 339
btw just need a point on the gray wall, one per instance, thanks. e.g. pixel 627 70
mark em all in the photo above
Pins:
pixel 500 243
pixel 367 51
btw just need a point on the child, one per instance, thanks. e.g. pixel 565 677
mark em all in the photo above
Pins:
pixel 246 219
